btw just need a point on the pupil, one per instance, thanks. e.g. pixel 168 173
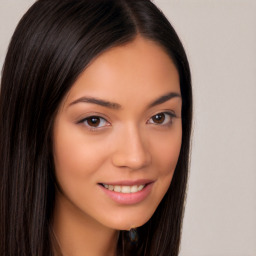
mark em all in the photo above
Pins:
pixel 93 121
pixel 159 118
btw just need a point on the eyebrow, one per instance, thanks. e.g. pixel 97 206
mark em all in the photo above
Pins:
pixel 164 98
pixel 117 106
pixel 96 101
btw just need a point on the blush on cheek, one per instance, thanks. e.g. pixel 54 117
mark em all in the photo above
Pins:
pixel 169 158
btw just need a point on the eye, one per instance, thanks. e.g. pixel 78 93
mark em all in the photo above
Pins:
pixel 95 122
pixel 163 118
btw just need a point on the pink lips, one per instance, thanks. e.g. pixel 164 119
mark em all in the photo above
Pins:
pixel 129 198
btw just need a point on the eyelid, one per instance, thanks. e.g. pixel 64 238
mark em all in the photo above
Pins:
pixel 87 115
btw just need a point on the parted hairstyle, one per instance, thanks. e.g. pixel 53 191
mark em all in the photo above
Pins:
pixel 53 43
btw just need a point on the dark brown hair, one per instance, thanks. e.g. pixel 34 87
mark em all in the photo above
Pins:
pixel 53 43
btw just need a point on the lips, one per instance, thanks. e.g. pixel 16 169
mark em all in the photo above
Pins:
pixel 128 192
pixel 124 189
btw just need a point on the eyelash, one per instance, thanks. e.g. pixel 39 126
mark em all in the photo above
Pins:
pixel 169 115
pixel 90 118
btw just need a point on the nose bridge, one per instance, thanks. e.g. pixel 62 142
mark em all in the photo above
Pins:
pixel 132 150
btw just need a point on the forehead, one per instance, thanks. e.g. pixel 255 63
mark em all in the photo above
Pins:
pixel 124 73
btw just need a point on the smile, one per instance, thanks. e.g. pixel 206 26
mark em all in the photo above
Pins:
pixel 124 189
pixel 128 192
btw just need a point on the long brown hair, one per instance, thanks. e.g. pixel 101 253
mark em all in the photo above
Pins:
pixel 53 43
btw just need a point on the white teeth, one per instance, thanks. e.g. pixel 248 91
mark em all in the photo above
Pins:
pixel 134 189
pixel 124 189
pixel 141 187
pixel 117 188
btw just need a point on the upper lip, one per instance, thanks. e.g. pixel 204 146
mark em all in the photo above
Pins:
pixel 129 182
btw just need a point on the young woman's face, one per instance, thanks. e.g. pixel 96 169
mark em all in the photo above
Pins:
pixel 117 136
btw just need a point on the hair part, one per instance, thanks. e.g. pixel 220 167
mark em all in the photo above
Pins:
pixel 53 43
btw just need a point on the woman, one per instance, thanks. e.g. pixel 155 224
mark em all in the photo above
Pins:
pixel 95 120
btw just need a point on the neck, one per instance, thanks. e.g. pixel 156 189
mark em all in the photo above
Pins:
pixel 77 234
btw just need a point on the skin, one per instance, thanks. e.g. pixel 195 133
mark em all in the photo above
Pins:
pixel 128 143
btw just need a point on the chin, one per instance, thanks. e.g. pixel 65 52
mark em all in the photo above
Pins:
pixel 129 222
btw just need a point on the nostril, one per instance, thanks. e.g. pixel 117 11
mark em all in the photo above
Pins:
pixel 131 160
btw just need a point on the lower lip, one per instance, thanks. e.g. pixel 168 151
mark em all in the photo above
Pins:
pixel 129 198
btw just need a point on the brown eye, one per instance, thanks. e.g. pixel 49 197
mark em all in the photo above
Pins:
pixel 159 118
pixel 164 118
pixel 95 122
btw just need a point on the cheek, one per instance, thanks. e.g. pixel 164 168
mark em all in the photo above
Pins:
pixel 166 155
pixel 167 150
pixel 74 156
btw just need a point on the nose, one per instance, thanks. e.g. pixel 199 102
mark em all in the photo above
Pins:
pixel 132 151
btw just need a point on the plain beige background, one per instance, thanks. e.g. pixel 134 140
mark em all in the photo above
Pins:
pixel 220 39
